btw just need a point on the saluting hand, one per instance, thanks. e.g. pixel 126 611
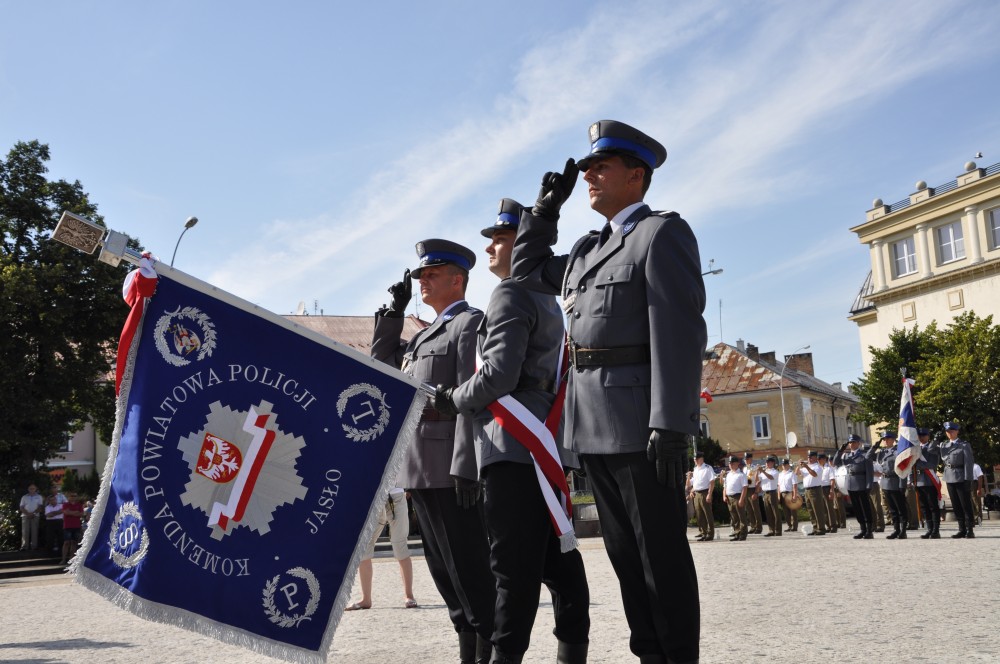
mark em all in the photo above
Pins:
pixel 556 188
pixel 402 293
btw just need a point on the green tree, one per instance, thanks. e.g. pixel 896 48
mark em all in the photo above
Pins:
pixel 61 312
pixel 880 387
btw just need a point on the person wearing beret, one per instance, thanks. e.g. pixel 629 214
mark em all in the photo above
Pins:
pixel 859 476
pixel 633 296
pixel 928 485
pixel 519 345
pixel 734 494
pixel 956 455
pixel 439 468
pixel 788 486
pixel 893 486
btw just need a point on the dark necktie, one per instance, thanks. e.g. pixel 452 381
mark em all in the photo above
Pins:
pixel 605 234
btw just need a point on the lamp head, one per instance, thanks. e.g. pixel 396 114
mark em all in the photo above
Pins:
pixel 191 221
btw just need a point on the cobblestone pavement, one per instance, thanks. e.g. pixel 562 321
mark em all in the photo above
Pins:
pixel 788 599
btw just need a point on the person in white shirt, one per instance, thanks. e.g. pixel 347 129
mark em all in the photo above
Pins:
pixel 31 507
pixel 812 482
pixel 788 486
pixel 768 478
pixel 700 492
pixel 829 486
pixel 754 527
pixel 978 491
pixel 734 495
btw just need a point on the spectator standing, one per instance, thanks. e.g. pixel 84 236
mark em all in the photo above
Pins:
pixel 31 509
pixel 53 523
pixel 395 514
pixel 72 511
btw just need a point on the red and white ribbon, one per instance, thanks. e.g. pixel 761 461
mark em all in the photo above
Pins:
pixel 139 285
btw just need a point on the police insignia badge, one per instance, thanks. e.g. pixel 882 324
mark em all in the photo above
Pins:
pixel 249 461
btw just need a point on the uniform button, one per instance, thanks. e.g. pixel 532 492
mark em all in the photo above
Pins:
pixel 610 277
pixel 583 289
pixel 576 314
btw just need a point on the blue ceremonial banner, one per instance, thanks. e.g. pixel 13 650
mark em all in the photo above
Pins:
pixel 249 460
pixel 907 442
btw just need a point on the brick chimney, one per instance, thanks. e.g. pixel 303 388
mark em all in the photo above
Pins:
pixel 801 362
pixel 741 345
pixel 752 352
pixel 768 358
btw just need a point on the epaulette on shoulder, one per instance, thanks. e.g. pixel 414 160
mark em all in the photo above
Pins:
pixel 664 213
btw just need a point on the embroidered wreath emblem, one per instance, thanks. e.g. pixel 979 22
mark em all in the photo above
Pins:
pixel 121 539
pixel 283 619
pixel 378 428
pixel 171 325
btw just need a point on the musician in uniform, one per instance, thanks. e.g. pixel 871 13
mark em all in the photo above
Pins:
pixel 734 494
pixel 859 476
pixel 768 478
pixel 701 495
pixel 829 484
pixel 928 485
pixel 439 468
pixel 755 527
pixel 956 455
pixel 788 485
pixel 812 482
pixel 519 347
pixel 634 297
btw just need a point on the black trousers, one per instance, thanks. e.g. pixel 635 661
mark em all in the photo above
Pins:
pixel 458 555
pixel 645 534
pixel 863 510
pixel 898 509
pixel 928 496
pixel 524 553
pixel 961 502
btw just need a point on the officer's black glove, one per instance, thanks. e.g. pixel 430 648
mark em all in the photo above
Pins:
pixel 466 492
pixel 402 293
pixel 556 188
pixel 669 451
pixel 443 402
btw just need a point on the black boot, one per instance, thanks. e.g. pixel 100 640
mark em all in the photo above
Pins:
pixel 936 533
pixel 861 534
pixel 961 530
pixel 895 532
pixel 930 531
pixel 467 647
pixel 500 658
pixel 571 653
pixel 902 532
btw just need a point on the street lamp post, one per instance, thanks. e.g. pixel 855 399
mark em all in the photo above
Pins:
pixel 781 392
pixel 711 262
pixel 191 221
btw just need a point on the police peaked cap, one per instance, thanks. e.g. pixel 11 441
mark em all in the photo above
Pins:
pixel 952 426
pixel 923 431
pixel 609 137
pixel 442 252
pixel 889 434
pixel 508 217
pixel 854 438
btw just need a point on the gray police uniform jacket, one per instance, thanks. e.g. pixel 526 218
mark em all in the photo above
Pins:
pixel 445 353
pixel 957 459
pixel 931 457
pixel 889 481
pixel 642 288
pixel 859 468
pixel 519 342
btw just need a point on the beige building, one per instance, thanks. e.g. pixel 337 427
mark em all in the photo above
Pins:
pixel 756 398
pixel 934 255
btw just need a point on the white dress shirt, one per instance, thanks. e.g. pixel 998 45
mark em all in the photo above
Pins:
pixel 701 477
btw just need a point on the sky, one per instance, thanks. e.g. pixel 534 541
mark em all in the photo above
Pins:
pixel 317 142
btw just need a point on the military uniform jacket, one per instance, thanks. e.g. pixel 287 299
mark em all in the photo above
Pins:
pixel 445 353
pixel 890 481
pixel 859 468
pixel 930 458
pixel 957 459
pixel 519 342
pixel 643 287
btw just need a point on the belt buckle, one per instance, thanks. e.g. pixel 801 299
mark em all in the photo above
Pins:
pixel 573 346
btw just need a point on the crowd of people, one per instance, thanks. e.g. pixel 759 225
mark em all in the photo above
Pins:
pixel 53 523
pixel 879 497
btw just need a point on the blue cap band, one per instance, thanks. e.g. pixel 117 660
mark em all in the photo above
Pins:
pixel 609 143
pixel 507 219
pixel 447 257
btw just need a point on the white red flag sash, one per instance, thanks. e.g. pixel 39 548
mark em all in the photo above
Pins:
pixel 539 439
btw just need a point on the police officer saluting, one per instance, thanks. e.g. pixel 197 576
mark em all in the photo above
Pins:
pixel 859 477
pixel 519 343
pixel 956 455
pixel 634 296
pixel 893 486
pixel 440 465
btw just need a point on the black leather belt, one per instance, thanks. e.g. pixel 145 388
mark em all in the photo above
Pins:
pixel 431 414
pixel 526 383
pixel 701 490
pixel 608 357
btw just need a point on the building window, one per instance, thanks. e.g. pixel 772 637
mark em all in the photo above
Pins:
pixel 904 257
pixel 951 244
pixel 704 429
pixel 761 427
pixel 67 443
pixel 995 228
